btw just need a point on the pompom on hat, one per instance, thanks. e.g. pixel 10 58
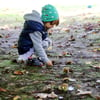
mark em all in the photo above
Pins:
pixel 49 13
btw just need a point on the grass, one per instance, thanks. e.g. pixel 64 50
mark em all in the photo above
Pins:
pixel 14 17
pixel 35 79
pixel 11 20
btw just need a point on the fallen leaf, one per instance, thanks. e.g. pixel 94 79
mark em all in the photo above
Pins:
pixel 96 50
pixel 60 55
pixel 81 92
pixel 46 95
pixel 66 69
pixel 14 46
pixel 50 32
pixel 78 86
pixel 72 38
pixel 3 90
pixel 52 95
pixel 18 72
pixel 66 53
pixel 72 80
pixel 96 67
pixel 66 79
pixel 47 87
pixel 97 97
pixel 69 79
pixel 63 87
pixel 60 46
pixel 16 98
pixel 94 32
pixel 1 36
pixel 88 26
pixel 12 76
pixel 84 36
pixel 88 62
pixel 42 95
pixel 68 62
pixel 65 29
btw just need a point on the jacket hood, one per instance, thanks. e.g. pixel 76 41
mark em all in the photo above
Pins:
pixel 35 16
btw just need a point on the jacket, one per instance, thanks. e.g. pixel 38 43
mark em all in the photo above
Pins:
pixel 32 35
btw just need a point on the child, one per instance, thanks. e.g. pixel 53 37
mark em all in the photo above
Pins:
pixel 33 39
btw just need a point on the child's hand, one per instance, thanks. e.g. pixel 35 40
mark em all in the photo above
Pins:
pixel 49 63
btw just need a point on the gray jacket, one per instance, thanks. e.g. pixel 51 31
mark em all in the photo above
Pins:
pixel 36 37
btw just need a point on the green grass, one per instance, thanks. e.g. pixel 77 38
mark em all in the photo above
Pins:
pixel 11 20
pixel 36 78
pixel 75 7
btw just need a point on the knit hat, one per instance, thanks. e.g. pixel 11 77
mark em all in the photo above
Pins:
pixel 49 13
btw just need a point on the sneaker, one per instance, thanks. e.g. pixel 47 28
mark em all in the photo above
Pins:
pixel 34 62
pixel 21 61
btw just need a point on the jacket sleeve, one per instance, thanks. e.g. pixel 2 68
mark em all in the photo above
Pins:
pixel 36 38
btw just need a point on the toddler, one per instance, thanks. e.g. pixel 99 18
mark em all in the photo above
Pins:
pixel 33 40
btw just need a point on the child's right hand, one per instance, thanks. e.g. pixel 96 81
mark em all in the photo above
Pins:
pixel 49 63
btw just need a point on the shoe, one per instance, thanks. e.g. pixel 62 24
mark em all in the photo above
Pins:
pixel 21 61
pixel 34 62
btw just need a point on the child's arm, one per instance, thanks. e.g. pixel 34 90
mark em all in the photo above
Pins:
pixel 36 38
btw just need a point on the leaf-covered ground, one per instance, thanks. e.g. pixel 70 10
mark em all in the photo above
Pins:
pixel 76 57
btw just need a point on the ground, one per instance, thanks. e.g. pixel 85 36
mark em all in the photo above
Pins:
pixel 75 74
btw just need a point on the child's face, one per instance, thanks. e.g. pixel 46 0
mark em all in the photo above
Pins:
pixel 48 25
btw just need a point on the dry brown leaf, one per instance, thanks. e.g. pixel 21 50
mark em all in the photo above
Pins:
pixel 69 79
pixel 66 79
pixel 81 92
pixel 42 95
pixel 60 46
pixel 16 98
pixel 4 27
pixel 94 32
pixel 96 50
pixel 3 90
pixel 65 29
pixel 66 69
pixel 47 87
pixel 96 66
pixel 78 86
pixel 72 38
pixel 63 87
pixel 68 62
pixel 97 97
pixel 64 53
pixel 60 55
pixel 1 36
pixel 88 62
pixel 52 95
pixel 18 72
pixel 46 95
pixel 14 46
